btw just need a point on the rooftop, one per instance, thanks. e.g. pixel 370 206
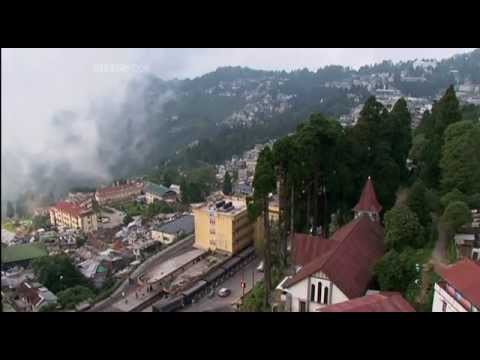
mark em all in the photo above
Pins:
pixel 464 276
pixel 368 200
pixel 349 261
pixel 71 208
pixel 156 189
pixel 119 188
pixel 381 302
pixel 184 223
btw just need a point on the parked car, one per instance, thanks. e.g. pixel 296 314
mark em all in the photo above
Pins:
pixel 224 292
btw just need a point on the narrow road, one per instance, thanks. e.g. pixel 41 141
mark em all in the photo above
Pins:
pixel 249 274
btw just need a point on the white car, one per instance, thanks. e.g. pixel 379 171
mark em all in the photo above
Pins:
pixel 260 267
pixel 224 292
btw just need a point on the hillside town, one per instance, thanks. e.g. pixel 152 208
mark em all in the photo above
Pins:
pixel 377 210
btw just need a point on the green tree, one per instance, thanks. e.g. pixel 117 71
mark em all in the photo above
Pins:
pixel 395 271
pixel 227 184
pixel 418 203
pixel 444 113
pixel 473 201
pixel 58 273
pixel 452 196
pixel 401 134
pixel 402 229
pixel 70 297
pixel 456 215
pixel 460 162
pixel 40 221
pixel 10 210
pixel 127 219
pixel 264 184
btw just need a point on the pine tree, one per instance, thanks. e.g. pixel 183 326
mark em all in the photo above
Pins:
pixel 227 184
pixel 264 183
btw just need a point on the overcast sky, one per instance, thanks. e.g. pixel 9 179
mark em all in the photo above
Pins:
pixel 37 83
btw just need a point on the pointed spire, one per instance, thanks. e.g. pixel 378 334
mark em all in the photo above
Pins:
pixel 368 200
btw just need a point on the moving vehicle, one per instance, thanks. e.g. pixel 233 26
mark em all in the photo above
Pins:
pixel 224 292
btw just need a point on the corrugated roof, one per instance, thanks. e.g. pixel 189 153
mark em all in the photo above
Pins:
pixel 185 223
pixel 349 263
pixel 464 276
pixel 156 189
pixel 381 302
pixel 368 200
pixel 119 188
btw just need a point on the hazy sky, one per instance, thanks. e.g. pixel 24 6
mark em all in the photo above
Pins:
pixel 38 83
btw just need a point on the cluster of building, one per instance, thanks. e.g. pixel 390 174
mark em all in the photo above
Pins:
pixel 244 166
pixel 388 96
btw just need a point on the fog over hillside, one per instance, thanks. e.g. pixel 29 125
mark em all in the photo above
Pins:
pixel 74 117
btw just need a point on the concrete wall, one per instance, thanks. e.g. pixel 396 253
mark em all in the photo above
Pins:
pixel 301 292
pixel 440 297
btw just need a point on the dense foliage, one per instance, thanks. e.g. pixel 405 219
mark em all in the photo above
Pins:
pixel 73 296
pixel 58 273
pixel 456 215
pixel 403 229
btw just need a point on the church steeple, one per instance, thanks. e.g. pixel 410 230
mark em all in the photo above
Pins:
pixel 368 203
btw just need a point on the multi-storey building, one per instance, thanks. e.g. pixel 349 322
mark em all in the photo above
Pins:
pixel 118 193
pixel 224 226
pixel 459 288
pixel 72 216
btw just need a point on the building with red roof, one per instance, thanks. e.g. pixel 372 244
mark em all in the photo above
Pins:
pixel 336 269
pixel 459 287
pixel 368 203
pixel 379 302
pixel 69 215
pixel 118 193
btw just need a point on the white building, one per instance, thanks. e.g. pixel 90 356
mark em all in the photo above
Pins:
pixel 459 288
pixel 334 270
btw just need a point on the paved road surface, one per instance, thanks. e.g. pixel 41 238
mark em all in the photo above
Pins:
pixel 223 304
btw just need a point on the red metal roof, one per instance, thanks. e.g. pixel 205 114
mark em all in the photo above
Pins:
pixel 118 189
pixel 368 200
pixel 307 247
pixel 349 263
pixel 381 302
pixel 70 208
pixel 464 276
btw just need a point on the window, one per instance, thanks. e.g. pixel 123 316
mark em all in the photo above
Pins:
pixel 319 295
pixel 302 305
pixel 444 306
pixel 312 293
pixel 325 296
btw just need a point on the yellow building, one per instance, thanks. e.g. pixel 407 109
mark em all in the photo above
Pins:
pixel 224 226
pixel 68 215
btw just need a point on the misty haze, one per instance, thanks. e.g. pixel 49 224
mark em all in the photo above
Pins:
pixel 132 154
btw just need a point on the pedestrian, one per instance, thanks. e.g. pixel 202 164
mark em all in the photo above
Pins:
pixel 136 295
